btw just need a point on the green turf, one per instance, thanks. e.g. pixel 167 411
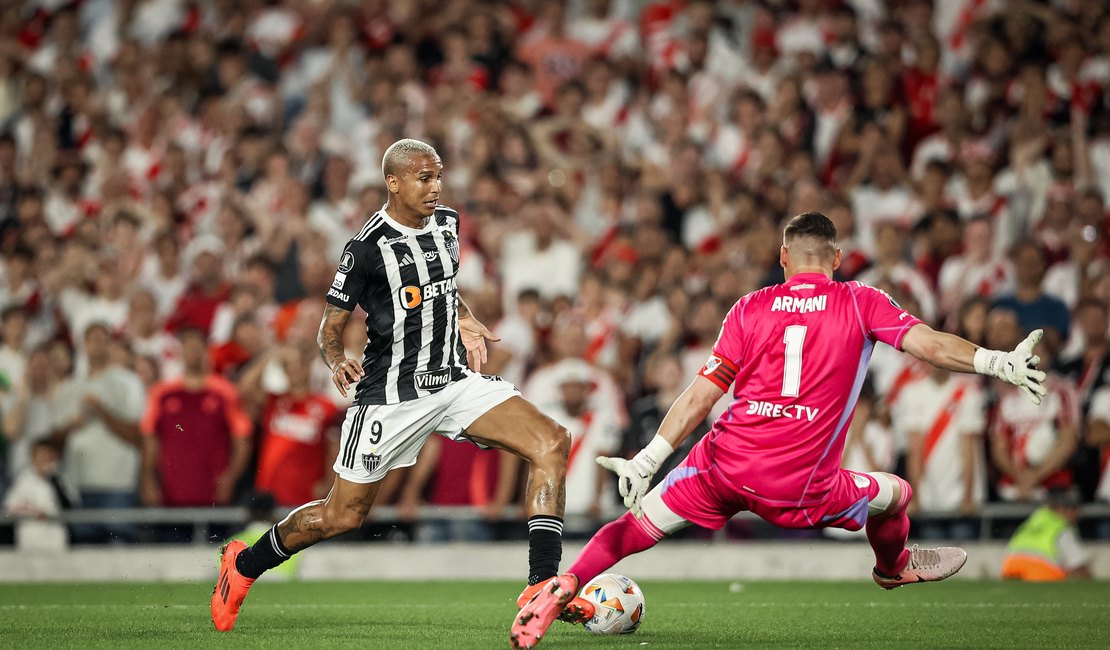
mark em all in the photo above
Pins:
pixel 278 616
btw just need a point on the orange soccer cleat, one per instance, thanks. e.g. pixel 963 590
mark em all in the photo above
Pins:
pixel 541 610
pixel 231 588
pixel 578 610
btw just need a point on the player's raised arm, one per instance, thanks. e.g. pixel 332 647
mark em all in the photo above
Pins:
pixel 948 351
pixel 688 411
pixel 344 371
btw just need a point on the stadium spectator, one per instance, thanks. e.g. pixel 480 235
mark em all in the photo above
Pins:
pixel 1070 278
pixel 298 434
pixel 593 433
pixel 977 271
pixel 208 289
pixel 890 265
pixel 669 144
pixel 517 330
pixel 553 54
pixel 1033 307
pixel 95 418
pixel 1046 547
pixel 36 498
pixel 1030 447
pixel 663 383
pixel 196 438
pixel 941 415
pixel 878 187
pixel 568 346
pixel 13 346
pixel 1098 438
pixel 146 337
pixel 27 409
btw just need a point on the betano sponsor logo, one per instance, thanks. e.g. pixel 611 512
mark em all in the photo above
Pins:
pixel 413 296
pixel 772 410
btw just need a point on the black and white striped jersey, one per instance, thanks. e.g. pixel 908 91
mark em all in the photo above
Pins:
pixel 404 278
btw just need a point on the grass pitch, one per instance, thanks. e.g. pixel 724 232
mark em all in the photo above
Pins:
pixel 958 614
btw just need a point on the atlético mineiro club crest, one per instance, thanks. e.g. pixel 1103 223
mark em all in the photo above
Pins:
pixel 452 245
pixel 371 462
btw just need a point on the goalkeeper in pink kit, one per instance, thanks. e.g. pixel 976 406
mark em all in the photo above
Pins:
pixel 795 355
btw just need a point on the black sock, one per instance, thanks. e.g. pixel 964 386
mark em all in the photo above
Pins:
pixel 267 553
pixel 545 547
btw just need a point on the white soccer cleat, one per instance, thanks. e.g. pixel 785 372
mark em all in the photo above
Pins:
pixel 925 565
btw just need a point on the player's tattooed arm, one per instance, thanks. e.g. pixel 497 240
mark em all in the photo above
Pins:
pixel 344 371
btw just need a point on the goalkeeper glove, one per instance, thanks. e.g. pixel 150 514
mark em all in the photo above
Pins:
pixel 634 476
pixel 1018 367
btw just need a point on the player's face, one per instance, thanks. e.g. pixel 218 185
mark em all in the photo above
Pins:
pixel 417 188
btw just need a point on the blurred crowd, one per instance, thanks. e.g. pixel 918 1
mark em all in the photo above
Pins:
pixel 178 179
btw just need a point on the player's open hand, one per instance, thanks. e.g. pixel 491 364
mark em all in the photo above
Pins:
pixel 633 480
pixel 345 373
pixel 474 336
pixel 1020 367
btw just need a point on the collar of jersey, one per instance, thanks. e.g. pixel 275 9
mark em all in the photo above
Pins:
pixel 812 278
pixel 407 230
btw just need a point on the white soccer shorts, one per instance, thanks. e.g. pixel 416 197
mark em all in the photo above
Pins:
pixel 378 438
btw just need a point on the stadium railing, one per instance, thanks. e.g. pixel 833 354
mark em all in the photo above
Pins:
pixel 201 519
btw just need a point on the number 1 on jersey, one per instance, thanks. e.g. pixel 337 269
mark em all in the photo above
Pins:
pixel 792 369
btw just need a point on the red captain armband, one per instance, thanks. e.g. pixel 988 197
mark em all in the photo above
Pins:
pixel 720 371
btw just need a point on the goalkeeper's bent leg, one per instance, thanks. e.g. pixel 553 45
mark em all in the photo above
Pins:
pixel 627 535
pixel 888 526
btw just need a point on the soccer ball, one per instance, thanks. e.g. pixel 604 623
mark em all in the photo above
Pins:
pixel 618 604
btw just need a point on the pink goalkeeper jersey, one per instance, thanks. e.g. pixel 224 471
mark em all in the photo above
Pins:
pixel 798 353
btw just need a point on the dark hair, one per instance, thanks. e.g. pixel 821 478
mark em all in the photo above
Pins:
pixel 938 165
pixel 47 444
pixel 187 331
pixel 810 224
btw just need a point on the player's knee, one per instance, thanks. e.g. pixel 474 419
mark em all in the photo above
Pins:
pixel 893 495
pixel 555 444
pixel 342 521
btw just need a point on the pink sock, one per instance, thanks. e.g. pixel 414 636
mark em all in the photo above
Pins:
pixel 887 535
pixel 616 540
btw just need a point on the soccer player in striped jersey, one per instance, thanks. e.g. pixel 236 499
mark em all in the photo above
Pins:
pixel 420 374
pixel 795 356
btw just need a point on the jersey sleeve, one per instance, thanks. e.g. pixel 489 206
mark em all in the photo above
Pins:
pixel 882 319
pixel 351 276
pixel 149 421
pixel 724 362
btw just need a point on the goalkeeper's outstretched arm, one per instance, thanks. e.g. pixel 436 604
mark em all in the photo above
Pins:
pixel 688 411
pixel 948 351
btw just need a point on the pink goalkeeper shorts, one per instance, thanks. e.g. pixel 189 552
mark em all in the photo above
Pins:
pixel 701 493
